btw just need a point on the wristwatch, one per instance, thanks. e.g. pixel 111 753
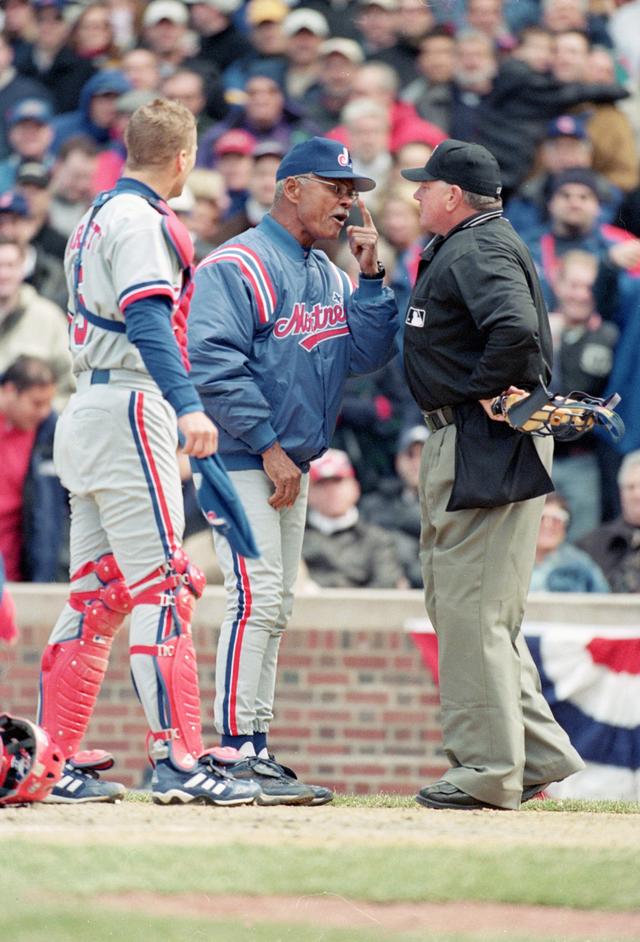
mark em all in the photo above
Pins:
pixel 381 272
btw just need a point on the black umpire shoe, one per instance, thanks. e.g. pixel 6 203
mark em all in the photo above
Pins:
pixel 277 788
pixel 532 791
pixel 445 795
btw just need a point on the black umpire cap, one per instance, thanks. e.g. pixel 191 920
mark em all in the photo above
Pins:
pixel 470 166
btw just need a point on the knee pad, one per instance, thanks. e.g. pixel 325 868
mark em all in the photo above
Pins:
pixel 72 671
pixel 178 583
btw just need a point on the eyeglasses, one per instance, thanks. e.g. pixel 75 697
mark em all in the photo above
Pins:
pixel 340 189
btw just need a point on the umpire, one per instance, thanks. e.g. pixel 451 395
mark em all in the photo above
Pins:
pixel 476 327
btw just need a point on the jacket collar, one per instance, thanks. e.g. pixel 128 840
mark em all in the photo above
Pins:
pixel 282 238
pixel 129 185
pixel 478 219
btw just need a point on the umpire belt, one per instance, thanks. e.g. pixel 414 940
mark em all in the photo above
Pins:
pixel 438 418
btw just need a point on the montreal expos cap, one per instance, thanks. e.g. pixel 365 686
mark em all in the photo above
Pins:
pixel 324 158
pixel 469 166
pixel 11 202
pixel 568 125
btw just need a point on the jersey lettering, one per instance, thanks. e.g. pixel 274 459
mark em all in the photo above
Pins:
pixel 76 238
pixel 304 322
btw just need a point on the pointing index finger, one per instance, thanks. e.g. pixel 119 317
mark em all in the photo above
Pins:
pixel 366 215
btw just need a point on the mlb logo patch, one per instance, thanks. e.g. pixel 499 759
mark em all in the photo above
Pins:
pixel 416 317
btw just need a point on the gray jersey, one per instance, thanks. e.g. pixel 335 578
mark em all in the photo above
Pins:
pixel 125 258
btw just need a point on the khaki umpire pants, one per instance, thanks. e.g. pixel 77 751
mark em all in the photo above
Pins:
pixel 499 733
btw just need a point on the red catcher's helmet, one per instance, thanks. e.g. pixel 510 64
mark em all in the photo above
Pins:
pixel 30 762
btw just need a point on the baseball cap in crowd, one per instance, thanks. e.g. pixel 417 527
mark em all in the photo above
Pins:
pixel 58 5
pixel 580 175
pixel 324 158
pixel 469 166
pixel 305 18
pixel 30 109
pixel 418 131
pixel 268 149
pixel 417 434
pixel 273 69
pixel 184 203
pixel 266 11
pixel 130 101
pixel 334 464
pixel 34 172
pixel 383 4
pixel 12 202
pixel 235 141
pixel 228 7
pixel 159 10
pixel 567 125
pixel 107 82
pixel 342 46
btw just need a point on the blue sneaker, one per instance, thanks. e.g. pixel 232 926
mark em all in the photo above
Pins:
pixel 278 787
pixel 321 794
pixel 81 783
pixel 206 784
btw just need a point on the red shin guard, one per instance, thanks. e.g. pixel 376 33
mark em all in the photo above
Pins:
pixel 176 664
pixel 177 667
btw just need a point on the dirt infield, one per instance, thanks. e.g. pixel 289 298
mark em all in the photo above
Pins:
pixel 331 911
pixel 134 823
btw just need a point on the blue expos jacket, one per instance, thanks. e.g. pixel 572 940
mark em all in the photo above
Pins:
pixel 274 332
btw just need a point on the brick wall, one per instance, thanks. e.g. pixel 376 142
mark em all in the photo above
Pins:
pixel 356 709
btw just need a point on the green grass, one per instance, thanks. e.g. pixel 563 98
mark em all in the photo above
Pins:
pixel 52 925
pixel 384 800
pixel 582 878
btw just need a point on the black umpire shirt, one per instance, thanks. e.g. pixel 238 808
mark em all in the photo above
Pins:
pixel 476 322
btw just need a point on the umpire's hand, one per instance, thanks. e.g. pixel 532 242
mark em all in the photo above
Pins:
pixel 199 433
pixel 284 474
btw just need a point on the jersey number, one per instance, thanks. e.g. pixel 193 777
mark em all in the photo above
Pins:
pixel 80 328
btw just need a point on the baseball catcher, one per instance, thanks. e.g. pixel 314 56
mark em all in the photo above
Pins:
pixel 563 417
pixel 30 762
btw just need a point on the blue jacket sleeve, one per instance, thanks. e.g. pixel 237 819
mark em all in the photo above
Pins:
pixel 222 335
pixel 149 329
pixel 373 319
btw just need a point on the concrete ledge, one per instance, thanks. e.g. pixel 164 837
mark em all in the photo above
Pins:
pixel 364 609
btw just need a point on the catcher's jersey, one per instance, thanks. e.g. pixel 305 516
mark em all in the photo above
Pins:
pixel 125 257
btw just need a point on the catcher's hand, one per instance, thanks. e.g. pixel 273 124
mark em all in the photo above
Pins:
pixel 564 417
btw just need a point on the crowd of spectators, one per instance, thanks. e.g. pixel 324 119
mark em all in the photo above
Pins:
pixel 551 87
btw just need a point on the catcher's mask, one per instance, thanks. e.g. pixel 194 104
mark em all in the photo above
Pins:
pixel 30 762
